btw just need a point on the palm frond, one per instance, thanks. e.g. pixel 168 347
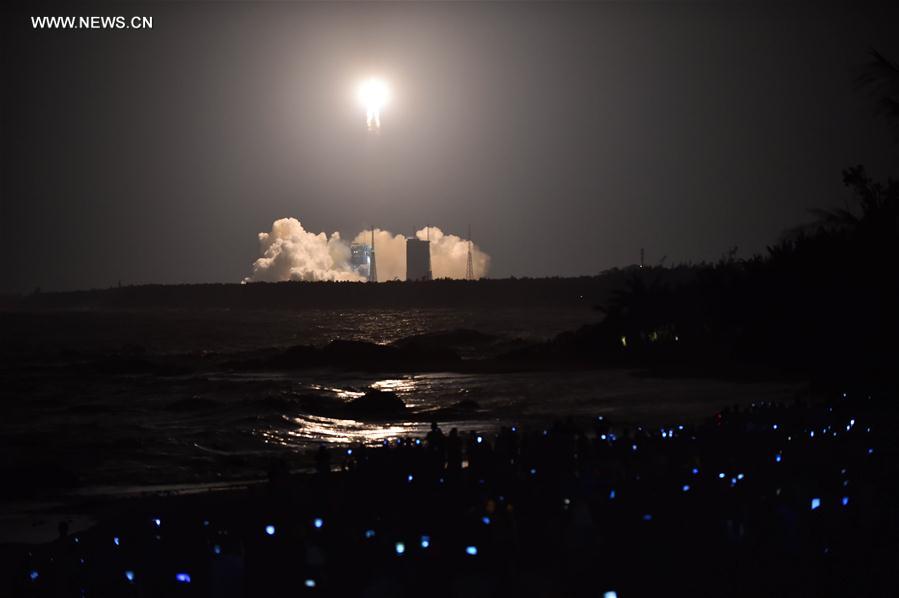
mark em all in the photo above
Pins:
pixel 880 77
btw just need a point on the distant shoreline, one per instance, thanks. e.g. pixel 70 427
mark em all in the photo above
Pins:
pixel 584 291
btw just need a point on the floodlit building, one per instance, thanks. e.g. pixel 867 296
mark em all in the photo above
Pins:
pixel 418 259
pixel 360 259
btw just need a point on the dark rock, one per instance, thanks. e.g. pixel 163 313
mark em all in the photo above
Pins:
pixel 467 405
pixel 377 403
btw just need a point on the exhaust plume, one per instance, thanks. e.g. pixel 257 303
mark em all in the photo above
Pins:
pixel 449 254
pixel 289 252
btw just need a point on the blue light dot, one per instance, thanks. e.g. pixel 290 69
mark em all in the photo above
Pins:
pixel 471 550
pixel 845 501
pixel 400 548
pixel 217 549
pixel 740 476
pixel 129 575
pixel 610 594
pixel 685 487
pixel 425 541
pixel 310 583
pixel 349 451
pixel 774 427
pixel 182 577
pixel 318 522
pixel 270 530
pixel 157 521
pixel 533 471
pixel 115 540
pixel 647 517
pixel 485 520
pixel 634 447
pixel 777 458
pixel 480 439
pixel 695 471
pixel 409 478
pixel 33 575
pixel 721 476
pixel 816 502
pixel 612 494
pixel 369 534
pixel 870 451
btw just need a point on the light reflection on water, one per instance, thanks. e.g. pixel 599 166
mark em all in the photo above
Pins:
pixel 396 385
pixel 424 395
pixel 494 400
pixel 410 389
pixel 331 430
pixel 340 393
pixel 311 430
pixel 308 429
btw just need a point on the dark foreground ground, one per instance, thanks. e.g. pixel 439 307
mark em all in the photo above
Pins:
pixel 775 500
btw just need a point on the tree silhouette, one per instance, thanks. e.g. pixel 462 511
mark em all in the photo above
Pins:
pixel 880 76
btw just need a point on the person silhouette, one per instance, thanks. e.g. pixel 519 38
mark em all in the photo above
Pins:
pixel 435 438
pixel 323 460
pixel 454 451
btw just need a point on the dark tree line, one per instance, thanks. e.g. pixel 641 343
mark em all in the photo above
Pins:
pixel 823 298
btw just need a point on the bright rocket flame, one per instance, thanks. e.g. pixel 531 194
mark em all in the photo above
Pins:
pixel 373 95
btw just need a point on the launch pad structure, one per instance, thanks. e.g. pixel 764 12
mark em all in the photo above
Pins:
pixel 418 258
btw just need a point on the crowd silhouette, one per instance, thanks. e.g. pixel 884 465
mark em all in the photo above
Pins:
pixel 771 499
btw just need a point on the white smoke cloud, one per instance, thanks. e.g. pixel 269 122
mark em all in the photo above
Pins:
pixel 449 255
pixel 289 252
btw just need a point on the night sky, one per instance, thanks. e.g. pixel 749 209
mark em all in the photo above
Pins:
pixel 568 135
